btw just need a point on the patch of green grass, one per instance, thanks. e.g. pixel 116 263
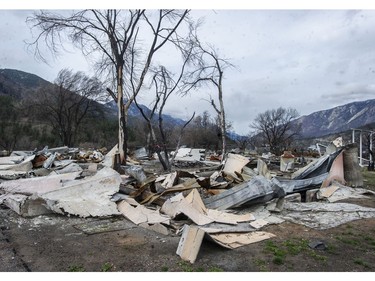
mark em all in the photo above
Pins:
pixel 316 256
pixel 215 269
pixel 279 254
pixel 261 264
pixel 76 268
pixel 279 260
pixel 368 178
pixel 185 266
pixel 294 247
pixel 106 267
pixel 331 249
pixel 164 268
pixel 362 262
pixel 349 241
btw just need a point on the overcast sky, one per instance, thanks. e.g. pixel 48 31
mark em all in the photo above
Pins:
pixel 308 59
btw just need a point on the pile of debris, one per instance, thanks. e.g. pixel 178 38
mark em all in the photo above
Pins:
pixel 227 202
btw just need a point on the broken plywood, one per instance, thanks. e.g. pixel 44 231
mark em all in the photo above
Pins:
pixel 179 204
pixel 235 240
pixel 227 228
pixel 140 214
pixel 190 243
pixel 234 163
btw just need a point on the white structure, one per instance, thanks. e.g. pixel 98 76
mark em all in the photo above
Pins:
pixel 360 143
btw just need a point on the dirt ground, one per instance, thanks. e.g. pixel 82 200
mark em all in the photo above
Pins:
pixel 57 243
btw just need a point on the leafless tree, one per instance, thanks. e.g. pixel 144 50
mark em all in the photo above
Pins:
pixel 209 70
pixel 116 37
pixel 276 128
pixel 165 84
pixel 67 102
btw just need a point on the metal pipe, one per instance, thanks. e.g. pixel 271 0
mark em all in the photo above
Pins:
pixel 360 148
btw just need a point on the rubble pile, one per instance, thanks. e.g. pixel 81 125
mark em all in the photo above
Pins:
pixel 228 202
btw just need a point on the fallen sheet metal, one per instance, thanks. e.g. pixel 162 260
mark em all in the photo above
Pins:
pixel 11 160
pixel 37 185
pixel 317 167
pixel 86 197
pixel 25 206
pixel 336 172
pixel 255 189
pixel 141 154
pixel 321 215
pixel 295 185
pixel 235 240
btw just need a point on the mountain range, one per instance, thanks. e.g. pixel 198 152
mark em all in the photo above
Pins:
pixel 19 84
pixel 338 119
